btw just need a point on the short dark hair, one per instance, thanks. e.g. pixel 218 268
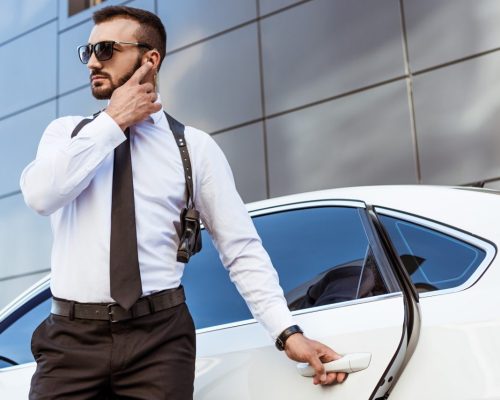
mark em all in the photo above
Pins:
pixel 151 31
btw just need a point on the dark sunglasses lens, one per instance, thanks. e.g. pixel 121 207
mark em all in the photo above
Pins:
pixel 84 53
pixel 103 50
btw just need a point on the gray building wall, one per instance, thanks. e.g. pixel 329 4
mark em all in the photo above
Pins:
pixel 300 95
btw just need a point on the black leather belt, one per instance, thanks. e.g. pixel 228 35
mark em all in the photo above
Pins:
pixel 113 312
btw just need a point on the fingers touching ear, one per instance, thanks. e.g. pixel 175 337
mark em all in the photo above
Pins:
pixel 153 56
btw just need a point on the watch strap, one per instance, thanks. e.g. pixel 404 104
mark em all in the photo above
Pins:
pixel 283 337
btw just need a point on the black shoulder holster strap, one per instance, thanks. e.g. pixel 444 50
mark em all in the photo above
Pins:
pixel 82 123
pixel 178 130
pixel 190 235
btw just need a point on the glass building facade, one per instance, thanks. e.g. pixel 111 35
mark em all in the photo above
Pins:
pixel 300 95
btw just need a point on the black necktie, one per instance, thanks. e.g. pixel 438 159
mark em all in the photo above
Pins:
pixel 125 276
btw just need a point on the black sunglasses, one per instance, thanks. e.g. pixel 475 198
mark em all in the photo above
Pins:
pixel 103 50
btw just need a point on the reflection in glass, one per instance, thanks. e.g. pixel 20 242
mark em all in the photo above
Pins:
pixel 19 136
pixel 211 297
pixel 363 139
pixel 19 16
pixel 436 33
pixel 433 260
pixel 267 6
pixel 244 149
pixel 28 69
pixel 215 84
pixel 188 21
pixel 72 73
pixel 350 281
pixel 457 118
pixel 80 102
pixel 25 238
pixel 322 256
pixel 326 47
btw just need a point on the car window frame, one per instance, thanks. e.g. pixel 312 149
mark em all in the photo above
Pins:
pixel 382 261
pixel 488 247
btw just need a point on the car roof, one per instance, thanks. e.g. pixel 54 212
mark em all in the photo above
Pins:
pixel 468 209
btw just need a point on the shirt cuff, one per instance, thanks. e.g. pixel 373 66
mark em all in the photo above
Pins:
pixel 115 135
pixel 105 132
pixel 276 319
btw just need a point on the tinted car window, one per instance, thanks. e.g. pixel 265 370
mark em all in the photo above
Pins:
pixel 433 259
pixel 322 256
pixel 16 338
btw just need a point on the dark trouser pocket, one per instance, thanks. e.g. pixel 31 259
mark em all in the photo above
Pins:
pixel 35 336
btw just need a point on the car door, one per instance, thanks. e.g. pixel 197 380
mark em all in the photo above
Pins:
pixel 17 323
pixel 339 284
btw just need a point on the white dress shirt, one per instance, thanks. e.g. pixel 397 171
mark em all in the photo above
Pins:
pixel 71 180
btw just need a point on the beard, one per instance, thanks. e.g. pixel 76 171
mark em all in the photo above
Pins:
pixel 102 92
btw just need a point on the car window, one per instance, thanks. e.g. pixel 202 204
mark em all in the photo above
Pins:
pixel 433 259
pixel 15 340
pixel 322 256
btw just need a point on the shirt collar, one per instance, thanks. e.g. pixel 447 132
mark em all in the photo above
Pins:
pixel 156 117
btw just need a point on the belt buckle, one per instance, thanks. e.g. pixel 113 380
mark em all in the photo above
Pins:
pixel 111 312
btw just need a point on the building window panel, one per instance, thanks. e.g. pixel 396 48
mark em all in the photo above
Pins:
pixel 76 6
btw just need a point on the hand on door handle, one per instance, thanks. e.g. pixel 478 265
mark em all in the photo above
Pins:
pixel 349 363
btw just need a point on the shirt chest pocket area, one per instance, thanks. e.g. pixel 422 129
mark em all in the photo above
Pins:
pixel 163 184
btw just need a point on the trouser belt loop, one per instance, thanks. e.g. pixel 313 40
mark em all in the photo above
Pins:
pixel 151 305
pixel 71 315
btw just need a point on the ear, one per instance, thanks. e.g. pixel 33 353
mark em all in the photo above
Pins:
pixel 152 56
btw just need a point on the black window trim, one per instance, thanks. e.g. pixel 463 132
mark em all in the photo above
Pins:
pixel 412 315
pixel 476 241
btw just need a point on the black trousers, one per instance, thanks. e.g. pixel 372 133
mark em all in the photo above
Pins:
pixel 150 358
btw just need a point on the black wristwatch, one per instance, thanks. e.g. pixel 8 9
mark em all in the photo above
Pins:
pixel 282 338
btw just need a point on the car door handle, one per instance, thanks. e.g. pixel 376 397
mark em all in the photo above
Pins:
pixel 349 363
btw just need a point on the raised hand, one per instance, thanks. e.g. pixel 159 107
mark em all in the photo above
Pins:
pixel 134 101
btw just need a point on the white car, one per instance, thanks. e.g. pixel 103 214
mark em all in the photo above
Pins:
pixel 403 279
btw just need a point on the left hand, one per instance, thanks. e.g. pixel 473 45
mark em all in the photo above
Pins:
pixel 299 348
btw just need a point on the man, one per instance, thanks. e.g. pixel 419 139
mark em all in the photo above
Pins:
pixel 145 347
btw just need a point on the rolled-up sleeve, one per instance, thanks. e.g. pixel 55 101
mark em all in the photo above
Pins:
pixel 237 241
pixel 64 166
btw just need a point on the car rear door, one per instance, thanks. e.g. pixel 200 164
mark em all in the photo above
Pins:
pixel 342 290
